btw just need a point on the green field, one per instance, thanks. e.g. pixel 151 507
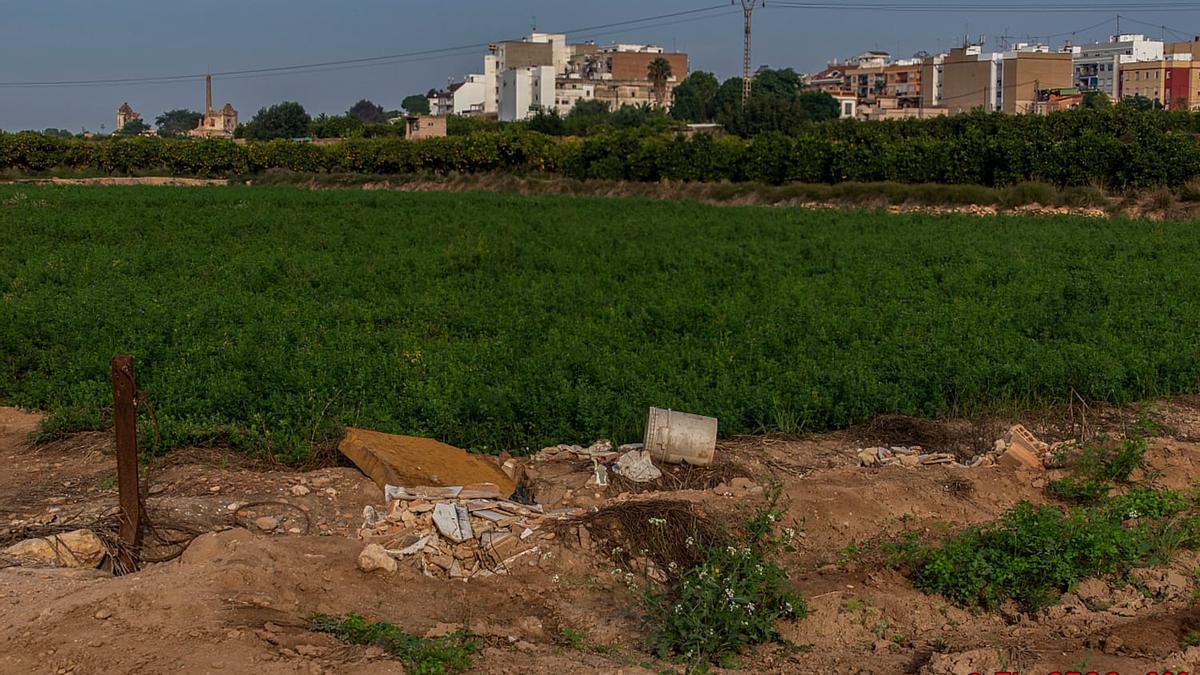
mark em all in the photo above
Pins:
pixel 264 318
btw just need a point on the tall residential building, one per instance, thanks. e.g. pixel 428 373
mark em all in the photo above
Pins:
pixel 525 91
pixel 1097 66
pixel 1007 82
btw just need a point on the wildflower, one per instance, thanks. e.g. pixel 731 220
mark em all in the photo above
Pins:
pixel 746 552
pixel 690 541
pixel 617 572
pixel 731 550
pixel 556 578
pixel 788 533
pixel 658 521
pixel 671 566
pixel 771 517
pixel 618 551
pixel 729 593
pixel 678 609
pixel 788 607
pixel 750 608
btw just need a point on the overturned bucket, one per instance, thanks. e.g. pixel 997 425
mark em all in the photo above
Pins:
pixel 676 437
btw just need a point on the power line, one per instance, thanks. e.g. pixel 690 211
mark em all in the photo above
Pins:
pixel 342 64
pixel 1048 7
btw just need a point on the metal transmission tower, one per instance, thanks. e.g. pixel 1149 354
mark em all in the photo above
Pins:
pixel 747 11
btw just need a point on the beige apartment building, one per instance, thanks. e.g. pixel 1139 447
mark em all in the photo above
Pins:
pixel 968 79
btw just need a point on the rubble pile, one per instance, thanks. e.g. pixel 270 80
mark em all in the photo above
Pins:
pixel 459 532
pixel 1019 448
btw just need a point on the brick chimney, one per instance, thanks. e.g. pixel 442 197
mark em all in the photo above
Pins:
pixel 208 95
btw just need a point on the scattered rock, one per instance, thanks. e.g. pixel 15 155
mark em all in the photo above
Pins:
pixel 102 614
pixel 300 490
pixel 375 557
pixel 75 549
pixel 985 660
pixel 266 523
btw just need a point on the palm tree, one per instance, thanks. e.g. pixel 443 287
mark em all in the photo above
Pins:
pixel 658 72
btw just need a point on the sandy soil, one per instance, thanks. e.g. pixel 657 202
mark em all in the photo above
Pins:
pixel 236 600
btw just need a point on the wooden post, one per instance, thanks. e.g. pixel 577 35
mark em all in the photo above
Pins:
pixel 125 421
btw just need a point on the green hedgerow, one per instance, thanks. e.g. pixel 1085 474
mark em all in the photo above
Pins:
pixel 732 599
pixel 423 656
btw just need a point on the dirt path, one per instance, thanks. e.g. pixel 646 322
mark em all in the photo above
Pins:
pixel 237 599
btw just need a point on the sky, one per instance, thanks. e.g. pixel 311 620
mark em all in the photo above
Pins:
pixel 69 40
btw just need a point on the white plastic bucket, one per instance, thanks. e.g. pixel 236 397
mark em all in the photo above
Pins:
pixel 678 438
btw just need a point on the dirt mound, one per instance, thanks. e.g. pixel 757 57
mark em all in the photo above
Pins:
pixel 238 599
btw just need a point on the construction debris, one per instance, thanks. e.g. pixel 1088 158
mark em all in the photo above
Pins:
pixel 408 460
pixel 458 532
pixel 1018 449
pixel 637 466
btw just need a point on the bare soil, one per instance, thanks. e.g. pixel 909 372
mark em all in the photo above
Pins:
pixel 237 599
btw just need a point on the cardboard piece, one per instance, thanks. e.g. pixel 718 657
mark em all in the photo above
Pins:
pixel 413 461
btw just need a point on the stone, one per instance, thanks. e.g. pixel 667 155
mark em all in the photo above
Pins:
pixel 375 557
pixel 266 523
pixel 75 549
pixel 300 490
pixel 984 660
pixel 909 460
pixel 999 446
pixel 415 547
pixel 102 614
pixel 868 458
pixel 742 485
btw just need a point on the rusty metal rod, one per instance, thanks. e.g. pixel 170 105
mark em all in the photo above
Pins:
pixel 125 422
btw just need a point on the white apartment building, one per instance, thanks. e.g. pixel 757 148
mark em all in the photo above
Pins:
pixel 570 90
pixel 1098 65
pixel 525 91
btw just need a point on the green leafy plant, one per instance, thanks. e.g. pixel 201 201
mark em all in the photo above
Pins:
pixel 424 656
pixel 732 599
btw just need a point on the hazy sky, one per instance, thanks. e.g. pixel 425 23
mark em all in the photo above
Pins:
pixel 56 40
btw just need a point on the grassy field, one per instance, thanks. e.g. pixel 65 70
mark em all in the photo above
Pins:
pixel 266 317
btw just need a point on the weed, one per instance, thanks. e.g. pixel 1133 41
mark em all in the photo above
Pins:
pixel 939 646
pixel 1031 555
pixel 1022 194
pixel 1098 466
pixel 1192 639
pixel 847 555
pixel 106 483
pixel 425 656
pixel 856 605
pixel 1084 196
pixel 572 637
pixel 731 599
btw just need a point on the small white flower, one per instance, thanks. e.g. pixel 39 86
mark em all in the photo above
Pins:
pixel 771 517
pixel 750 608
pixel 617 572
pixel 758 569
pixel 788 533
pixel 690 541
pixel 788 607
pixel 731 550
pixel 729 593
pixel 671 566
pixel 659 522
pixel 618 551
pixel 556 578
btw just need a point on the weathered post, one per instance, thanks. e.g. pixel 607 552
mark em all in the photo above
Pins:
pixel 125 421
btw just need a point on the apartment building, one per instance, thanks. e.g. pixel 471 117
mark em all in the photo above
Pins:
pixel 1007 82
pixel 1097 66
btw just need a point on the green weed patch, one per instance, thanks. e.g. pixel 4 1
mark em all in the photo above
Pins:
pixel 421 656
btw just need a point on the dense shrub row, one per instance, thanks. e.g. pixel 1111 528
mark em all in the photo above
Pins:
pixel 1117 147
